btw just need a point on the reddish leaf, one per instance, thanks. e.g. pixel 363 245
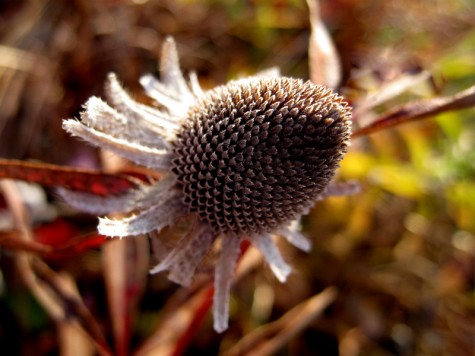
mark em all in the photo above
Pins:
pixel 199 316
pixel 65 240
pixel 182 316
pixel 89 181
pixel 55 234
pixel 76 246
pixel 87 242
pixel 420 110
pixel 57 240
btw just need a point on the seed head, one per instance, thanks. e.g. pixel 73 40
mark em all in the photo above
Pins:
pixel 248 159
pixel 256 153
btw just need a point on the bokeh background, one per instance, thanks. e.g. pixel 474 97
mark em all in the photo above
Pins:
pixel 400 253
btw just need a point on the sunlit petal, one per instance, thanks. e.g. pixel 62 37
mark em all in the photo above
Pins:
pixel 222 281
pixel 95 204
pixel 152 219
pixel 294 237
pixel 101 117
pixel 150 157
pixel 170 73
pixel 140 114
pixel 272 255
pixel 187 255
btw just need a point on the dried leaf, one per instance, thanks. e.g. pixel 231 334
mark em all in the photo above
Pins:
pixel 50 175
pixel 72 341
pixel 72 304
pixel 324 62
pixel 269 338
pixel 388 91
pixel 420 110
pixel 50 289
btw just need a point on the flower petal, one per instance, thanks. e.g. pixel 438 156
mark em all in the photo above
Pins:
pixel 150 157
pixel 142 198
pixel 95 204
pixel 222 281
pixel 187 255
pixel 170 72
pixel 272 255
pixel 101 117
pixel 177 106
pixel 157 192
pixel 144 115
pixel 154 218
pixel 293 236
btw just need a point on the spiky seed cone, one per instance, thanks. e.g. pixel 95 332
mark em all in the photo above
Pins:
pixel 256 153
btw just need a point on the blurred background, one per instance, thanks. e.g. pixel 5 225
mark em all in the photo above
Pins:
pixel 400 253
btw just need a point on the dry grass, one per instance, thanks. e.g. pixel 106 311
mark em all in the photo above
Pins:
pixel 398 258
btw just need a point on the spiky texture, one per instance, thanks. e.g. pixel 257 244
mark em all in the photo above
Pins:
pixel 256 153
pixel 249 158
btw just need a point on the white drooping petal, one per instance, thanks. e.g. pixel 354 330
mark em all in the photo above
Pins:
pixel 176 105
pixel 340 189
pixel 223 277
pixel 143 115
pixel 157 192
pixel 171 91
pixel 101 117
pixel 142 197
pixel 95 204
pixel 293 236
pixel 159 159
pixel 183 260
pixel 153 219
pixel 170 72
pixel 266 245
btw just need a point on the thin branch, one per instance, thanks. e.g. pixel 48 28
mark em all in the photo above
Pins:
pixel 419 110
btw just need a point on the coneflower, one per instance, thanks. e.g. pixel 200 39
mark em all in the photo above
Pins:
pixel 247 159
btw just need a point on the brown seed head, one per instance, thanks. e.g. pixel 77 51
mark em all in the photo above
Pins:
pixel 256 153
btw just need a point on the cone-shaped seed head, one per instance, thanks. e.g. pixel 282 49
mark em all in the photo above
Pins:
pixel 256 153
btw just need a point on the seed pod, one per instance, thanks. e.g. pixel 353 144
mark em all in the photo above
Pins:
pixel 256 153
pixel 248 158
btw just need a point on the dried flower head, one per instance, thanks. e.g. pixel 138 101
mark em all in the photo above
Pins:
pixel 247 158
